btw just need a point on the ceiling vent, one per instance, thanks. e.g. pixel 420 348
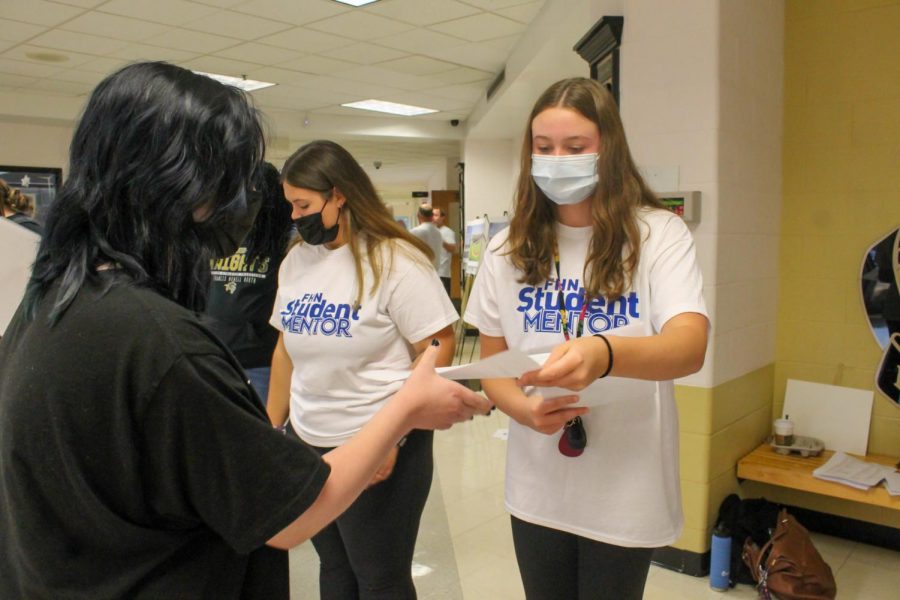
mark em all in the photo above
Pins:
pixel 496 83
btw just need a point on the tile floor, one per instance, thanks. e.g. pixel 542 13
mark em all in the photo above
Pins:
pixel 465 552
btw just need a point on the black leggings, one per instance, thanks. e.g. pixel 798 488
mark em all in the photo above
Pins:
pixel 367 552
pixel 556 565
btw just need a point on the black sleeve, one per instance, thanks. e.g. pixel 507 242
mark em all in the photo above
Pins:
pixel 213 459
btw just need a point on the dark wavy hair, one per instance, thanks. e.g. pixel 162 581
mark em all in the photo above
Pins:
pixel 273 225
pixel 157 147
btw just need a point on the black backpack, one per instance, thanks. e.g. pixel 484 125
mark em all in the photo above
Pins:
pixel 754 518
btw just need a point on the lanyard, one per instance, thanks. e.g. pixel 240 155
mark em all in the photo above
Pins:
pixel 579 328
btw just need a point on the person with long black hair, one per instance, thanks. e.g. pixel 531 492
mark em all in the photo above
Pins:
pixel 135 460
pixel 243 285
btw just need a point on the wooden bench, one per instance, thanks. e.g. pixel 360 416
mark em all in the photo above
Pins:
pixel 793 471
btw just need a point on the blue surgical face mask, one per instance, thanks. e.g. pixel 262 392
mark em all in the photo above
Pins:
pixel 565 179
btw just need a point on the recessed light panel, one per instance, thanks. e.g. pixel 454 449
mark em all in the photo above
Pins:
pixel 390 107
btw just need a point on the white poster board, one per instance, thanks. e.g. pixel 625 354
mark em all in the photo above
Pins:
pixel 839 416
pixel 18 247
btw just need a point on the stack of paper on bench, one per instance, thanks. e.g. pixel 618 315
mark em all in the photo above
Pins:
pixel 843 468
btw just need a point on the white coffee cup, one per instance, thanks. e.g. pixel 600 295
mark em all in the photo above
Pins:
pixel 784 432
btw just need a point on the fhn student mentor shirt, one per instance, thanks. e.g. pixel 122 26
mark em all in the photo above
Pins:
pixel 339 351
pixel 624 489
pixel 135 461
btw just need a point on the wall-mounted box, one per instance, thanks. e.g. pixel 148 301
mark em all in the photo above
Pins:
pixel 684 204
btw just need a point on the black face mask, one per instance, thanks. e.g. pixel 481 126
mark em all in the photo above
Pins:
pixel 313 231
pixel 224 239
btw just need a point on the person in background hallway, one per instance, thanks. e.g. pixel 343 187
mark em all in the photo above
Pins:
pixel 593 270
pixel 18 207
pixel 449 247
pixel 358 296
pixel 428 233
pixel 243 285
pixel 135 460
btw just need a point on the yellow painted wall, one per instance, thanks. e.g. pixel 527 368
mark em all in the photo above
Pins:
pixel 717 427
pixel 841 193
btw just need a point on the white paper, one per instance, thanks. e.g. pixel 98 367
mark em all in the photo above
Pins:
pixel 509 363
pixel 603 391
pixel 839 416
pixel 851 471
pixel 18 247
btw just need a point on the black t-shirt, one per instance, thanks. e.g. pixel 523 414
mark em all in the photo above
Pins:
pixel 136 462
pixel 241 296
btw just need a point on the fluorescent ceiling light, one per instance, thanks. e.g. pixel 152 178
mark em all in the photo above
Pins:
pixel 390 107
pixel 356 2
pixel 248 85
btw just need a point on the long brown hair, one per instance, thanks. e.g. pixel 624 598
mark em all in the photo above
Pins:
pixel 323 166
pixel 615 245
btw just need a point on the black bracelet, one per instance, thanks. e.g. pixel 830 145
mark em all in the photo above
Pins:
pixel 609 365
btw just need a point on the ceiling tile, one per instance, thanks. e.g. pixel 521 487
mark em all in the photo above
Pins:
pixel 281 76
pixel 114 26
pixel 222 66
pixel 27 69
pixel 77 42
pixel 259 53
pixel 359 26
pixel 219 3
pixel 170 12
pixel 375 74
pixel 523 13
pixel 66 88
pixel 303 40
pixel 20 53
pixel 471 92
pixel 477 28
pixel 420 41
pixel 37 12
pixel 9 80
pixel 359 90
pixel 237 25
pixel 79 76
pixel 318 65
pixel 459 75
pixel 478 56
pixel 418 65
pixel 365 54
pixel 495 4
pixel 82 3
pixel 15 31
pixel 192 41
pixel 504 44
pixel 104 65
pixel 299 97
pixel 146 52
pixel 422 12
pixel 296 13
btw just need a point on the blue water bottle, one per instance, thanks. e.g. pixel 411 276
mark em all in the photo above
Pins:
pixel 720 559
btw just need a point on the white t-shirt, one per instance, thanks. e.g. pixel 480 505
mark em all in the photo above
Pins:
pixel 624 488
pixel 448 237
pixel 335 348
pixel 429 234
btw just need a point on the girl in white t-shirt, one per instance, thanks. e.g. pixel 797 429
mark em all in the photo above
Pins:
pixel 357 297
pixel 594 271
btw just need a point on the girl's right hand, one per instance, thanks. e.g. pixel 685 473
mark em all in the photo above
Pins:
pixel 547 415
pixel 435 402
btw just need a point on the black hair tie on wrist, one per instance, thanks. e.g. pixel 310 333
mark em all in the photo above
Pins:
pixel 609 365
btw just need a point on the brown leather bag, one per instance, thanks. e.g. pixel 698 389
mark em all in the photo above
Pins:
pixel 789 566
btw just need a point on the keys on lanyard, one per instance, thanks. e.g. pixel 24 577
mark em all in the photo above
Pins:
pixel 573 440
